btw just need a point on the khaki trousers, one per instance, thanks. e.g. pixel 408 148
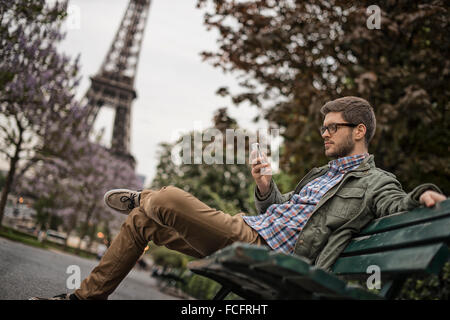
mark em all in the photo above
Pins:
pixel 169 217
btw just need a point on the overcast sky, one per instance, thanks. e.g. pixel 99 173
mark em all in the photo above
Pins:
pixel 175 88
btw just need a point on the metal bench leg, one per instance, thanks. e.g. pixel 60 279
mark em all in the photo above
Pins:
pixel 222 293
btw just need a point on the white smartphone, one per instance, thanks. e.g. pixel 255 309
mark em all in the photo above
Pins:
pixel 259 154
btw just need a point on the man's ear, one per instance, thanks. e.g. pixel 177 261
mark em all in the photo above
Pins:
pixel 360 131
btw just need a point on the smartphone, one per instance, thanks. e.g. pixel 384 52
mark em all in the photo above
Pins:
pixel 259 154
pixel 257 148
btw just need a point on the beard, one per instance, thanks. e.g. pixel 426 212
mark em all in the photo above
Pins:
pixel 343 149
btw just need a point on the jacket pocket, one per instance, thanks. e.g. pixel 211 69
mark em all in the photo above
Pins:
pixel 334 222
pixel 347 202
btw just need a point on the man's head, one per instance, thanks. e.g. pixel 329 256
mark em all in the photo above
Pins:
pixel 348 126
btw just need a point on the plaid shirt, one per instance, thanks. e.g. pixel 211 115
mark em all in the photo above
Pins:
pixel 281 224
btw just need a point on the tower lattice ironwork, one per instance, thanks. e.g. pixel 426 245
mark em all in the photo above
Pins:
pixel 113 85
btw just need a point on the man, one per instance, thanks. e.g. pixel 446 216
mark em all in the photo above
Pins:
pixel 316 220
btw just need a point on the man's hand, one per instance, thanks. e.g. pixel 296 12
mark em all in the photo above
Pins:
pixel 430 198
pixel 262 179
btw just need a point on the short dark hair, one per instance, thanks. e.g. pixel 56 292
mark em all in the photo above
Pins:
pixel 354 110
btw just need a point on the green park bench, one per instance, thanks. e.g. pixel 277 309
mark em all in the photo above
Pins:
pixel 401 245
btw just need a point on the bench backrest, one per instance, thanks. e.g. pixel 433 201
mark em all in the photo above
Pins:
pixel 403 243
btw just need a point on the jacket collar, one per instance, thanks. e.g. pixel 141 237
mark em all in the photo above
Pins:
pixel 367 164
pixel 347 163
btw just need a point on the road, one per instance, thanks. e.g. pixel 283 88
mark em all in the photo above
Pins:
pixel 27 271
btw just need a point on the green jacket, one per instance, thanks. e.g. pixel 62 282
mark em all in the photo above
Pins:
pixel 364 194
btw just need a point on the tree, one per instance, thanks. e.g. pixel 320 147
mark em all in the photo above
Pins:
pixel 294 56
pixel 37 83
pixel 76 177
pixel 227 187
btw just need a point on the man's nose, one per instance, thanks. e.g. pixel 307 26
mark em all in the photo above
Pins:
pixel 326 134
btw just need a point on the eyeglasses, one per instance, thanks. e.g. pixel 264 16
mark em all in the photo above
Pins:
pixel 332 127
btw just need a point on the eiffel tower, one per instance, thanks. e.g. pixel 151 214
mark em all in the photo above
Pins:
pixel 113 85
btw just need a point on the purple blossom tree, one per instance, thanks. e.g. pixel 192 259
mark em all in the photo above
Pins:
pixel 43 132
pixel 76 174
pixel 37 83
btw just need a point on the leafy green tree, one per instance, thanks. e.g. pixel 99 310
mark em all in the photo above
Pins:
pixel 222 186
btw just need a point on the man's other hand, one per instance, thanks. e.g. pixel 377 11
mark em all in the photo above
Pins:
pixel 430 198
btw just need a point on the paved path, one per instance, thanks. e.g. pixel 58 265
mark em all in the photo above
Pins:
pixel 27 271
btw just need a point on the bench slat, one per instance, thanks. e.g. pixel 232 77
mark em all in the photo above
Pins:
pixel 242 278
pixel 239 262
pixel 403 219
pixel 319 281
pixel 251 271
pixel 242 286
pixel 358 293
pixel 297 264
pixel 431 231
pixel 427 259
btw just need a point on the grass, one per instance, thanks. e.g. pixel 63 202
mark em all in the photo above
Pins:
pixel 18 236
pixel 31 240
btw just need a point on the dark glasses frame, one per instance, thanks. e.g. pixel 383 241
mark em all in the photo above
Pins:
pixel 333 127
